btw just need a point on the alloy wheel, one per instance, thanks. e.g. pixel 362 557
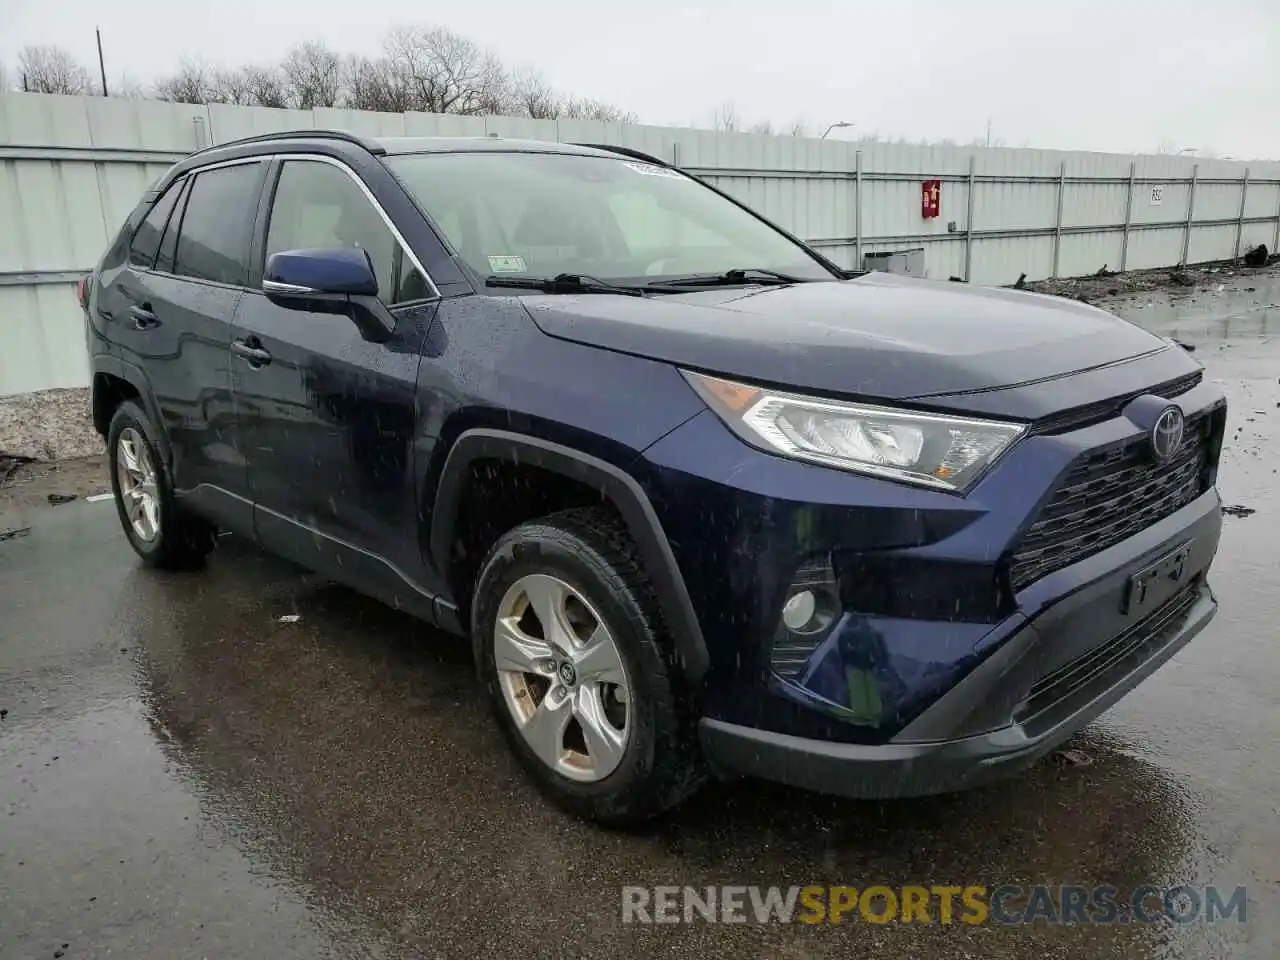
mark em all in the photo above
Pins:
pixel 562 677
pixel 138 491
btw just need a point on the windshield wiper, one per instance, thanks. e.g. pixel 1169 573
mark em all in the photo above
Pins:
pixel 730 278
pixel 563 283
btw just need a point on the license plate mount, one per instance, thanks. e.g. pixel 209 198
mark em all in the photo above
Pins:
pixel 1157 581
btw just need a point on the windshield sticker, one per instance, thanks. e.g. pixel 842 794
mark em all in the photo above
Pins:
pixel 649 170
pixel 507 265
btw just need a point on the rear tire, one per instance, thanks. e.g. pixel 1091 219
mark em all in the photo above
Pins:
pixel 633 753
pixel 158 529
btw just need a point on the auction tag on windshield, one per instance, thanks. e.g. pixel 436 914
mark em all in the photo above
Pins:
pixel 649 170
pixel 507 264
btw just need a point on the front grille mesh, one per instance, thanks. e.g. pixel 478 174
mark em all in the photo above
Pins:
pixel 1109 495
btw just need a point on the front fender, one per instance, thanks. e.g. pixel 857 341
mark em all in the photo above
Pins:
pixel 614 485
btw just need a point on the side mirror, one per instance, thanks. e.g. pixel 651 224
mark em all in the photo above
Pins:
pixel 331 280
pixel 332 272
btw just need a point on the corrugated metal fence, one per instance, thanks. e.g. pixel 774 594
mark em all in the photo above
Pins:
pixel 71 168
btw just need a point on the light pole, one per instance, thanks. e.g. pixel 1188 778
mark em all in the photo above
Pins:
pixel 835 126
pixel 1187 150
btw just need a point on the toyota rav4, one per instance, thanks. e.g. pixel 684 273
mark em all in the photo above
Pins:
pixel 705 503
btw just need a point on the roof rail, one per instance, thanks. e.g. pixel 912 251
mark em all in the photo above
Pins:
pixel 370 145
pixel 626 152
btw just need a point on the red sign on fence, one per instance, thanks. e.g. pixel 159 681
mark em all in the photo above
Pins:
pixel 930 199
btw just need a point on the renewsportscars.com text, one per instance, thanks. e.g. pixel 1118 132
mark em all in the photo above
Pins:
pixel 1006 904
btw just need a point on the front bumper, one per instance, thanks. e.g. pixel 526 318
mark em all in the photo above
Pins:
pixel 1025 698
pixel 906 769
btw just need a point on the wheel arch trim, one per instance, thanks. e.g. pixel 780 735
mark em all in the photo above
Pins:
pixel 615 485
pixel 133 375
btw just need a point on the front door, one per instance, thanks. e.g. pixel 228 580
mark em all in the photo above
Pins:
pixel 326 416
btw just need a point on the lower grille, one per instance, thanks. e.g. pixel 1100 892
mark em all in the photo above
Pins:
pixel 1096 669
pixel 1109 495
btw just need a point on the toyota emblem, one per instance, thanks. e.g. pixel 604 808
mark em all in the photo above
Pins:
pixel 1166 435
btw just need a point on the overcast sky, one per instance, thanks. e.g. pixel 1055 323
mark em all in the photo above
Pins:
pixel 1118 75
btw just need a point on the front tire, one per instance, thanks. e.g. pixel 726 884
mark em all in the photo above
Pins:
pixel 159 531
pixel 571 647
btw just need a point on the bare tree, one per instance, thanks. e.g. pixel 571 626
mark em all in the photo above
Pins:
pixel 586 109
pixel 764 127
pixel 52 70
pixel 231 86
pixel 313 76
pixel 532 96
pixel 797 128
pixel 420 68
pixel 193 83
pixel 377 85
pixel 726 118
pixel 446 72
pixel 267 87
pixel 496 96
pixel 1166 146
pixel 529 94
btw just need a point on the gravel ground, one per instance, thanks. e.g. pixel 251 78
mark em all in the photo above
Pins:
pixel 48 425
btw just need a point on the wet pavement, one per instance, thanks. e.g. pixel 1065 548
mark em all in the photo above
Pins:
pixel 182 775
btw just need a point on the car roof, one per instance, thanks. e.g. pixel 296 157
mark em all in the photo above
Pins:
pixel 402 145
pixel 383 146
pixel 342 143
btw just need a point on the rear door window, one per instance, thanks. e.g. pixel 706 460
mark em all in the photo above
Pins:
pixel 217 225
pixel 146 239
pixel 169 242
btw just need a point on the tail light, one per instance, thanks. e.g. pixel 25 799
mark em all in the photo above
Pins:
pixel 82 291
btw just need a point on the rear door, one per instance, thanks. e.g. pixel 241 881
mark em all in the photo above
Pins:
pixel 171 309
pixel 327 422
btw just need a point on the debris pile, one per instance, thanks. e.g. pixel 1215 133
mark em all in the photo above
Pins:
pixel 1107 283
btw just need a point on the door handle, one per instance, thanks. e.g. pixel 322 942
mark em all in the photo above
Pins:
pixel 144 317
pixel 256 356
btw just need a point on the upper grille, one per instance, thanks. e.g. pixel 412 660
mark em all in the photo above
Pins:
pixel 1100 410
pixel 1109 495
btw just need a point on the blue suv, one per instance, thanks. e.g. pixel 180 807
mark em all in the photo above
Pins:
pixel 705 503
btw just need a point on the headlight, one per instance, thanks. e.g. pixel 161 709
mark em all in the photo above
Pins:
pixel 933 450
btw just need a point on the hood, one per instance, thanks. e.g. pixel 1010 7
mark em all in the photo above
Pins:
pixel 876 336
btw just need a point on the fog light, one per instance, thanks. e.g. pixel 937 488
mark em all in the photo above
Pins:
pixel 797 613
pixel 810 608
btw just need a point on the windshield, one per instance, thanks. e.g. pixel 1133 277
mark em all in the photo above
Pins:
pixel 543 214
